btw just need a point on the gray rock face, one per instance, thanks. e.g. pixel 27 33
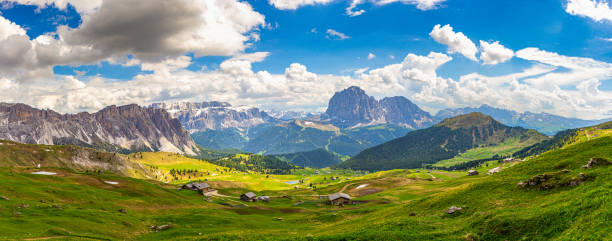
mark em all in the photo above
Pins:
pixel 290 115
pixel 353 107
pixel 214 115
pixel 124 128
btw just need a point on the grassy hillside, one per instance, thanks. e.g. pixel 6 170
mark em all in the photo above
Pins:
pixel 572 203
pixel 318 158
pixel 76 158
pixel 446 140
pixel 504 149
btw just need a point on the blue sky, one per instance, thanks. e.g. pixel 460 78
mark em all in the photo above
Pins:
pixel 300 34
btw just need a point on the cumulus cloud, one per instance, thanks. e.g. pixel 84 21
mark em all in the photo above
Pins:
pixel 294 4
pixel 494 53
pixel 150 32
pixel 537 88
pixel 595 9
pixel 169 28
pixel 8 28
pixel 371 56
pixel 456 42
pixel 333 34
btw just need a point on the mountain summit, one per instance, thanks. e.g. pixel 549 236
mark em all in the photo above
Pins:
pixel 353 107
pixel 445 140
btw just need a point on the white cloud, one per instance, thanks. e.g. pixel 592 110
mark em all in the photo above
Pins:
pixel 424 5
pixel 532 89
pixel 371 56
pixel 595 9
pixel 360 71
pixel 8 28
pixel 575 70
pixel 494 53
pixel 456 42
pixel 152 33
pixel 294 4
pixel 350 10
pixel 333 34
pixel 252 57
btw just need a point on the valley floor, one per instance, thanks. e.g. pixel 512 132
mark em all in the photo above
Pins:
pixel 392 205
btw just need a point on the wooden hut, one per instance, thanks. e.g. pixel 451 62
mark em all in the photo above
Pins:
pixel 248 197
pixel 339 198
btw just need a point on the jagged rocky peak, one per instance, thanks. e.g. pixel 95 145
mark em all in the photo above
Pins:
pixel 353 107
pixel 200 116
pixel 114 128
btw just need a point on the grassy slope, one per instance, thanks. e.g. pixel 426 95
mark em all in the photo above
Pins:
pixel 505 148
pixel 494 207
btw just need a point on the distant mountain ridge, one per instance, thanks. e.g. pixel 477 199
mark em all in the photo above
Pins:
pixel 442 141
pixel 546 123
pixel 214 115
pixel 125 128
pixel 299 136
pixel 352 107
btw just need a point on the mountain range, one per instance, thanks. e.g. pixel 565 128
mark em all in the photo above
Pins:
pixel 445 140
pixel 214 115
pixel 126 128
pixel 299 136
pixel 543 122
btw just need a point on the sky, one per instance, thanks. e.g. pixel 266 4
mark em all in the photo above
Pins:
pixel 552 56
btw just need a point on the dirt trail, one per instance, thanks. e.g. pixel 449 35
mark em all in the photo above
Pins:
pixel 344 188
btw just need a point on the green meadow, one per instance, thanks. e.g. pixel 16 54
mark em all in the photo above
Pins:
pixel 77 204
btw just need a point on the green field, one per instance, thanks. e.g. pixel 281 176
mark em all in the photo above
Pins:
pixel 77 204
pixel 506 148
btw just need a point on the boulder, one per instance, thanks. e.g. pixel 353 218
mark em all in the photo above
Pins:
pixel 160 227
pixel 472 173
pixel 453 209
pixel 495 170
pixel 593 162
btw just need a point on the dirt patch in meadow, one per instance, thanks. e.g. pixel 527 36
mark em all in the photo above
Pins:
pixel 377 185
pixel 366 191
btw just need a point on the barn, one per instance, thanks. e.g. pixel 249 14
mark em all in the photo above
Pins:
pixel 339 198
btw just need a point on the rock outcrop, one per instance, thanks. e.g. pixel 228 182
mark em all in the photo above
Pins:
pixel 214 115
pixel 126 128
